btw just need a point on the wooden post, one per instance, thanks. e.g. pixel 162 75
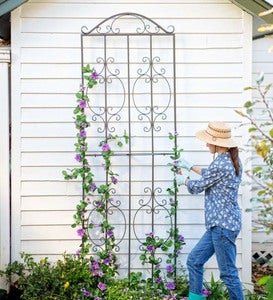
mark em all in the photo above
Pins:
pixel 4 160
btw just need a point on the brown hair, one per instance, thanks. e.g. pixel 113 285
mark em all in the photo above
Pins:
pixel 234 155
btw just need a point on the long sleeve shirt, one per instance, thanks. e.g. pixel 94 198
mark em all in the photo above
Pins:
pixel 221 186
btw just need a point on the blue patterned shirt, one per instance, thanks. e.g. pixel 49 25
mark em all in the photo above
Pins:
pixel 221 185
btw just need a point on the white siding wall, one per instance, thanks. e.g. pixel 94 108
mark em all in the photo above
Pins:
pixel 262 62
pixel 213 42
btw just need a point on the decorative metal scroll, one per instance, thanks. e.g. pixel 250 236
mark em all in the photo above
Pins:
pixel 135 59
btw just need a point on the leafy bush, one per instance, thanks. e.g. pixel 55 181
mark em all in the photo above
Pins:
pixel 259 114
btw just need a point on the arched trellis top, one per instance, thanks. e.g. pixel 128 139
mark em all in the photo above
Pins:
pixel 110 25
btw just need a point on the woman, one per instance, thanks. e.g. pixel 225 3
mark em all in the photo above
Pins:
pixel 220 181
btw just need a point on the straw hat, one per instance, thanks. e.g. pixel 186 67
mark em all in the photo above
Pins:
pixel 217 133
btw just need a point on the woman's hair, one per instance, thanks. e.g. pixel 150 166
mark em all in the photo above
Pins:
pixel 234 155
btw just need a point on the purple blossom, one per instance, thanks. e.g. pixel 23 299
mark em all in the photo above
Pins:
pixel 109 233
pixel 83 133
pixel 107 261
pixel 102 286
pixel 81 232
pixel 94 75
pixel 78 157
pixel 181 238
pixel 97 298
pixel 83 148
pixel 93 187
pixel 82 104
pixel 170 285
pixel 78 252
pixel 158 280
pixel 206 292
pixel 95 266
pixel 105 147
pixel 86 293
pixel 151 234
pixel 82 87
pixel 114 179
pixel 99 204
pixel 151 248
pixel 169 268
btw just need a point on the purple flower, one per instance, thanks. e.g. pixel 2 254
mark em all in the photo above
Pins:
pixel 205 292
pixel 169 269
pixel 99 204
pixel 110 233
pixel 83 148
pixel 81 232
pixel 82 133
pixel 151 248
pixel 82 87
pixel 96 298
pixel 107 261
pixel 102 286
pixel 78 157
pixel 82 104
pixel 181 238
pixel 93 187
pixel 86 293
pixel 158 280
pixel 170 285
pixel 94 75
pixel 151 234
pixel 105 147
pixel 78 252
pixel 114 179
pixel 95 266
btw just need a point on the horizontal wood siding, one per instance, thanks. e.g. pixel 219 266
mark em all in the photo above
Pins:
pixel 212 53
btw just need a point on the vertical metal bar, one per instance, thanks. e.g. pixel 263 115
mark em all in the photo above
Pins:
pixel 152 135
pixel 175 145
pixel 105 118
pixel 130 157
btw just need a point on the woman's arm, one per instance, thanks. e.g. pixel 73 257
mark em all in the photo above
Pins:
pixel 197 170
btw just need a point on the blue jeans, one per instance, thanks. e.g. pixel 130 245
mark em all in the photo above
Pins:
pixel 221 242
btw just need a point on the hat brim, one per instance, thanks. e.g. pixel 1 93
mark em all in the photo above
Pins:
pixel 205 137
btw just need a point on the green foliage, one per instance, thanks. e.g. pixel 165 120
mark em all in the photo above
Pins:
pixel 44 281
pixel 259 115
pixel 217 289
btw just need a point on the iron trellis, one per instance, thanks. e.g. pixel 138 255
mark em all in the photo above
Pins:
pixel 135 58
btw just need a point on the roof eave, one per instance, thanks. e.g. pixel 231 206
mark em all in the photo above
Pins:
pixel 9 5
pixel 255 7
